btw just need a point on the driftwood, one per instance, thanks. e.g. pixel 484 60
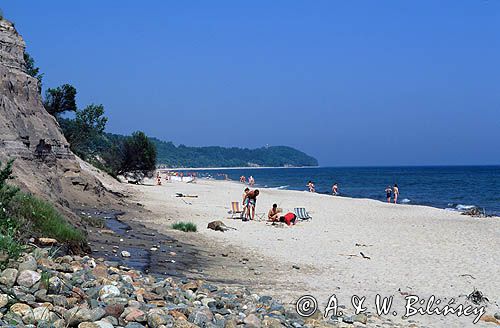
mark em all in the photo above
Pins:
pixel 219 226
pixel 477 297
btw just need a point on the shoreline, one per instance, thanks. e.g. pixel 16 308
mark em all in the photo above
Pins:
pixel 235 168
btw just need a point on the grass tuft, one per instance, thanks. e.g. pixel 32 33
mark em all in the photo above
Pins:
pixel 184 226
pixel 45 219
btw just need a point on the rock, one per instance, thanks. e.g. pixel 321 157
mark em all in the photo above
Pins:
pixel 208 301
pixel 252 321
pixel 8 277
pixel 4 300
pixel 28 278
pixel 108 291
pixel 132 314
pixel 360 318
pixel 201 317
pixel 134 325
pixel 77 315
pixel 125 254
pixel 43 313
pixel 497 315
pixel 114 310
pixel 156 318
pixel 47 241
pixel 29 263
pixel 88 325
pixel 103 324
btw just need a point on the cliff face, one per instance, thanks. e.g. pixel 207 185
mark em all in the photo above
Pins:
pixel 44 164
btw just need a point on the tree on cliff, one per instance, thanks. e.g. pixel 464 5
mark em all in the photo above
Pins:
pixel 60 99
pixel 85 130
pixel 32 70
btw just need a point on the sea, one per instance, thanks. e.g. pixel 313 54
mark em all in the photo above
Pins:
pixel 456 188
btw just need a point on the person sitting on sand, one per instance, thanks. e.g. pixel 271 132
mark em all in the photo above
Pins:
pixel 388 193
pixel 274 213
pixel 311 187
pixel 251 200
pixel 396 193
pixel 335 189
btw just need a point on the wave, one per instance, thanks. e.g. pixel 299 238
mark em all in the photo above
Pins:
pixel 405 201
pixel 459 207
pixel 283 187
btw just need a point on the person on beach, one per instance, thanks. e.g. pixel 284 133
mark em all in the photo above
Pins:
pixel 289 219
pixel 244 202
pixel 243 179
pixel 396 193
pixel 251 200
pixel 388 193
pixel 311 187
pixel 274 213
pixel 251 180
pixel 335 189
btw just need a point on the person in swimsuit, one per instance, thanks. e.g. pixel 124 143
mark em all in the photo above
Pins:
pixel 335 189
pixel 251 200
pixel 244 202
pixel 396 192
pixel 388 193
pixel 274 213
pixel 251 181
pixel 311 187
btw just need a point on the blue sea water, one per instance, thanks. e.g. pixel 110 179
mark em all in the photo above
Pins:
pixel 453 187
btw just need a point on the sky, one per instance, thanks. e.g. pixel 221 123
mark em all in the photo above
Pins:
pixel 352 83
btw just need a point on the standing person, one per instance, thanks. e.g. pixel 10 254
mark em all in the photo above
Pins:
pixel 244 202
pixel 396 193
pixel 251 181
pixel 311 187
pixel 335 189
pixel 388 193
pixel 251 199
pixel 243 179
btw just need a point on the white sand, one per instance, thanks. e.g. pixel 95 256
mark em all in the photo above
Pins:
pixel 413 249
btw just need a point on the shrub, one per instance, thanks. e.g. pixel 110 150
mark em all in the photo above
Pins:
pixel 184 226
pixel 44 218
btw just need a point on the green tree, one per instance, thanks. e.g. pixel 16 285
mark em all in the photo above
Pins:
pixel 139 154
pixel 32 70
pixel 60 99
pixel 84 133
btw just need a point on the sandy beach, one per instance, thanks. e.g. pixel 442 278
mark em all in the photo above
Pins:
pixel 412 250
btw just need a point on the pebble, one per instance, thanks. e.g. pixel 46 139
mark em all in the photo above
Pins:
pixel 95 293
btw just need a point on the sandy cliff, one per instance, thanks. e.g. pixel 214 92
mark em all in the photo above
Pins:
pixel 44 164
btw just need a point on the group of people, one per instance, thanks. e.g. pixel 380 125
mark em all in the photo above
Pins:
pixel 312 188
pixel 251 180
pixel 275 215
pixel 392 193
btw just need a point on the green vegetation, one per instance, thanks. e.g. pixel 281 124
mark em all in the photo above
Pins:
pixel 23 216
pixel 44 219
pixel 275 156
pixel 60 100
pixel 184 226
pixel 32 70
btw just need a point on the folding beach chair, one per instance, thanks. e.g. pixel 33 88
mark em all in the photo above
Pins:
pixel 302 213
pixel 235 209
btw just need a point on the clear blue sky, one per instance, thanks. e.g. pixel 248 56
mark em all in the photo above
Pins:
pixel 349 82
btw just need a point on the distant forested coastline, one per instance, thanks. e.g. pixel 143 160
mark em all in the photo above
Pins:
pixel 275 156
